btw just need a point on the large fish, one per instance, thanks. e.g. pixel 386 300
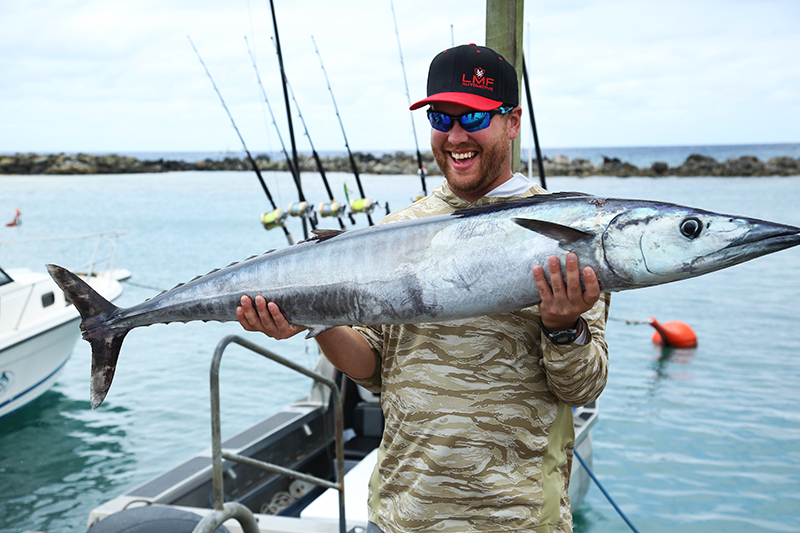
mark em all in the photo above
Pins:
pixel 469 263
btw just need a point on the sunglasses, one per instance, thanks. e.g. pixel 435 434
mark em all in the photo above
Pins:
pixel 471 122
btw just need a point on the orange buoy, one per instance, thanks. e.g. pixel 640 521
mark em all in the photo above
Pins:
pixel 674 334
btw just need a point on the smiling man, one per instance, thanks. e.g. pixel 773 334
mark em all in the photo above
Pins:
pixel 479 433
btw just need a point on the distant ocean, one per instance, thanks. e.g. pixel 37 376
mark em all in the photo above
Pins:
pixel 640 156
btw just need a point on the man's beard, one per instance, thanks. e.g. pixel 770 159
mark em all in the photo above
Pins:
pixel 492 159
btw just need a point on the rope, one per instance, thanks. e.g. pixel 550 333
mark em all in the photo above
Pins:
pixel 606 494
pixel 629 321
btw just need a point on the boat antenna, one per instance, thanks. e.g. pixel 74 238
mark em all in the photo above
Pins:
pixel 333 212
pixel 533 125
pixel 249 156
pixel 421 168
pixel 349 153
pixel 288 115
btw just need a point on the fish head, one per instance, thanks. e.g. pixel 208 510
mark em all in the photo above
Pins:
pixel 657 243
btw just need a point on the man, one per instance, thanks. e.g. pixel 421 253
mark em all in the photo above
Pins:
pixel 479 432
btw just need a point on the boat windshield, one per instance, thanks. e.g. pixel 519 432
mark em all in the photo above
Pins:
pixel 4 278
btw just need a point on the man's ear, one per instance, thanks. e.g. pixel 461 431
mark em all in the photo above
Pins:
pixel 514 122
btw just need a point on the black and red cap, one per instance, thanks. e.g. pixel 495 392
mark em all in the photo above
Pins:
pixel 473 76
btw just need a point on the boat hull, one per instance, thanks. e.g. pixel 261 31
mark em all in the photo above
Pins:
pixel 38 332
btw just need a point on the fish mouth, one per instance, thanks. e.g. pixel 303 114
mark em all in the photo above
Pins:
pixel 763 239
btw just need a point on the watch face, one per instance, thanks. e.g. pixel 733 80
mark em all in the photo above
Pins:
pixel 563 337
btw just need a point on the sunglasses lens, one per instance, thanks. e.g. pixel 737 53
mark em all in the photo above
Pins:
pixel 440 121
pixel 475 121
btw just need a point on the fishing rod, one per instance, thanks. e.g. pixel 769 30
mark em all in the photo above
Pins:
pixel 533 125
pixel 421 171
pixel 302 197
pixel 367 209
pixel 277 222
pixel 295 208
pixel 332 208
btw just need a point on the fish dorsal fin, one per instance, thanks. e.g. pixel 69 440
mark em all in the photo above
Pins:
pixel 321 235
pixel 558 232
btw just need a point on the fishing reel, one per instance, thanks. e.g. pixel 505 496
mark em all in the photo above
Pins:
pixel 301 209
pixel 273 219
pixel 331 209
pixel 364 206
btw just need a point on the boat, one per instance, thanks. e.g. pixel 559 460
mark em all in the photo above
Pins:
pixel 39 327
pixel 281 474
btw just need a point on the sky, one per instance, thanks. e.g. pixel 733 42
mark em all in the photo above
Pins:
pixel 121 76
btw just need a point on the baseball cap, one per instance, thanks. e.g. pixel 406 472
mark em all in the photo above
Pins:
pixel 471 75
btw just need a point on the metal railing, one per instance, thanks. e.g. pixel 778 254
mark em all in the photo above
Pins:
pixel 224 511
pixel 108 260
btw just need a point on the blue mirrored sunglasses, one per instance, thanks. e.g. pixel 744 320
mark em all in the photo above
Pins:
pixel 471 122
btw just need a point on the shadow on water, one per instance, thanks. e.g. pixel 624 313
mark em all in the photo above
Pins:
pixel 57 460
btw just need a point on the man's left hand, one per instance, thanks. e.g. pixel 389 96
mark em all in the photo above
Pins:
pixel 564 301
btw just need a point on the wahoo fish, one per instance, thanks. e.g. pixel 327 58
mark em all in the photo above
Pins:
pixel 468 263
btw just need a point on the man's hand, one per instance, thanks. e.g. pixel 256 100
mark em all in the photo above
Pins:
pixel 564 303
pixel 266 318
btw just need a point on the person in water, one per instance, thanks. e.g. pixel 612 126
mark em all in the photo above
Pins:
pixel 479 433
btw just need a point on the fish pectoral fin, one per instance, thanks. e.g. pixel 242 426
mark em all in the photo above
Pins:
pixel 313 331
pixel 558 232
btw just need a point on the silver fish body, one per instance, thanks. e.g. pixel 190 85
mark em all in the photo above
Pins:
pixel 469 263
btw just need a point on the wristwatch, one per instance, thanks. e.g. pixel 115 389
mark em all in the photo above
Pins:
pixel 564 336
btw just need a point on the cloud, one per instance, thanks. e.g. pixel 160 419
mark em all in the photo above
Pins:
pixel 121 76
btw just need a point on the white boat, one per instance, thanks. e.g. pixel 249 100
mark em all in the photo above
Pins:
pixel 39 329
pixel 270 475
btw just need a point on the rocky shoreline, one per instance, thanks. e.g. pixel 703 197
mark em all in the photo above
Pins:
pixel 398 163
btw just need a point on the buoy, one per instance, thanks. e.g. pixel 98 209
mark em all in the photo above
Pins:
pixel 673 334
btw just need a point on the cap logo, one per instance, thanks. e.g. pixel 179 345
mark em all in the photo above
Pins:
pixel 479 80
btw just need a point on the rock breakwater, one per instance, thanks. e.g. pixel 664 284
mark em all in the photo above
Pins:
pixel 398 163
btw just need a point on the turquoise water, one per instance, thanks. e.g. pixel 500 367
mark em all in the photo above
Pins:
pixel 692 440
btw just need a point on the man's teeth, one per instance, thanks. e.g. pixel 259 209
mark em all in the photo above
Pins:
pixel 462 155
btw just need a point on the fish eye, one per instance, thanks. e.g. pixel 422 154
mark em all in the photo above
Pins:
pixel 691 227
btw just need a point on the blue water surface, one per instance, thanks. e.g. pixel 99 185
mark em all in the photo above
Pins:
pixel 700 439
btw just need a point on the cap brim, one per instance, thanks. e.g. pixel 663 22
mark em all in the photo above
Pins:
pixel 473 101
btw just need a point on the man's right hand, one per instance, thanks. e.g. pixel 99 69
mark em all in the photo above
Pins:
pixel 266 318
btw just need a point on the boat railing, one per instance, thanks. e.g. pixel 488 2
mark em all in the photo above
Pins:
pixel 107 260
pixel 234 510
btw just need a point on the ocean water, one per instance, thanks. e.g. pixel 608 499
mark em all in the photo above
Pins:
pixel 702 439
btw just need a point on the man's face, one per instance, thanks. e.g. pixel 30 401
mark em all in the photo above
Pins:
pixel 474 163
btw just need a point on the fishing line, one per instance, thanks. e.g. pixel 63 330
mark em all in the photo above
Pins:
pixel 249 156
pixel 341 125
pixel 289 162
pixel 421 168
pixel 314 153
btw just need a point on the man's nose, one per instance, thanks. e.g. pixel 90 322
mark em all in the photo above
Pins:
pixel 457 133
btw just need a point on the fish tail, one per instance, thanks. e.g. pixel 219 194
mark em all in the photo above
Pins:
pixel 95 312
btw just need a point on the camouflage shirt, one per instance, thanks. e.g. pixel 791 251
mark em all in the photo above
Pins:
pixel 479 432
